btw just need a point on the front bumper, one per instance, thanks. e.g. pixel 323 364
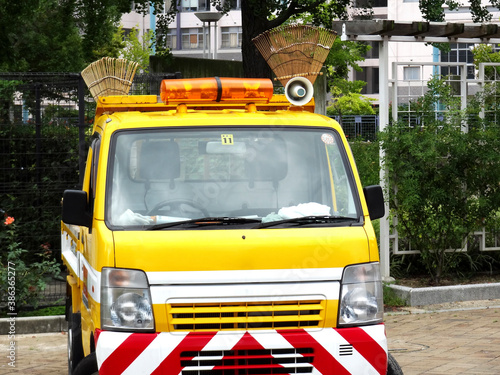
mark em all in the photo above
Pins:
pixel 358 350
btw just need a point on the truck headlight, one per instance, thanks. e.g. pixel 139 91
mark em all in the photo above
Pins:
pixel 125 300
pixel 361 298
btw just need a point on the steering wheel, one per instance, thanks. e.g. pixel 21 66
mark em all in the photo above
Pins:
pixel 176 204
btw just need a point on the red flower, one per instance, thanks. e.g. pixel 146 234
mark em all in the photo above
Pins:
pixel 9 220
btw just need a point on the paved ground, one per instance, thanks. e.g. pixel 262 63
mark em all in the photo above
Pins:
pixel 462 338
pixel 38 354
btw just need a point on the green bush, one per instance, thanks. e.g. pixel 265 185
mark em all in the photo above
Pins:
pixel 366 155
pixel 445 177
pixel 23 282
pixel 351 104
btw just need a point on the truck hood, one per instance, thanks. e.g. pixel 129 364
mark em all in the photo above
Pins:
pixel 167 253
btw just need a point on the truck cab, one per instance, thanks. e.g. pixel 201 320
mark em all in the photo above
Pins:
pixel 221 232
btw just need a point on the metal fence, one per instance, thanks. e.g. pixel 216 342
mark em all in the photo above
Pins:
pixel 45 125
pixel 363 127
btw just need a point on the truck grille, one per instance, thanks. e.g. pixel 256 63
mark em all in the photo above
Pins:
pixel 236 362
pixel 244 316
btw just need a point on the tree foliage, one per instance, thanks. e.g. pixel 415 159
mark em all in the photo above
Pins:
pixel 347 97
pixel 39 36
pixel 484 53
pixel 57 35
pixel 138 49
pixel 351 104
pixel 97 21
pixel 434 10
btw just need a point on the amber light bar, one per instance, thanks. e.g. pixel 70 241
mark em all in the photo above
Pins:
pixel 216 90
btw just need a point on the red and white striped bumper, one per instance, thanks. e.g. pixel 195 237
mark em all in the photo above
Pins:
pixel 359 350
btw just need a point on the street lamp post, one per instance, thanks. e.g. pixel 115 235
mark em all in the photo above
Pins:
pixel 209 17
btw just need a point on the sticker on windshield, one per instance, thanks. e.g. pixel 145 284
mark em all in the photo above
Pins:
pixel 327 138
pixel 227 139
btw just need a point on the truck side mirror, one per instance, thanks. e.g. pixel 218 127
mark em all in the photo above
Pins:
pixel 375 201
pixel 75 208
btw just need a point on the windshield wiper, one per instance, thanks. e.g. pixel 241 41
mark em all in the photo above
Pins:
pixel 308 220
pixel 206 221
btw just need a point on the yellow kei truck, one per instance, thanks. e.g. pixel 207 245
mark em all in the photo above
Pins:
pixel 221 230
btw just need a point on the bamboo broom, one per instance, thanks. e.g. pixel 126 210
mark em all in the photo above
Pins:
pixel 109 76
pixel 295 50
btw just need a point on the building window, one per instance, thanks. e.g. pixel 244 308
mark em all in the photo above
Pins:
pixel 459 53
pixel 370 3
pixel 171 39
pixel 235 4
pixel 373 53
pixel 231 37
pixel 192 38
pixel 411 73
pixel 195 5
pixel 370 75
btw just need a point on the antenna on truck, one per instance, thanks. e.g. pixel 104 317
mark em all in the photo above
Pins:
pixel 109 76
pixel 296 54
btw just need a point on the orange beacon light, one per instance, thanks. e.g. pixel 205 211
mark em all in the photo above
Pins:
pixel 216 90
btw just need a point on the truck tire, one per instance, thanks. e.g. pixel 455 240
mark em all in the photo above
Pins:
pixel 87 366
pixel 393 367
pixel 75 346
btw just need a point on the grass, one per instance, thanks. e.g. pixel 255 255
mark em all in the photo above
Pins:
pixel 46 311
pixel 391 299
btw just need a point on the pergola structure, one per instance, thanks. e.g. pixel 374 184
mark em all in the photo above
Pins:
pixel 385 31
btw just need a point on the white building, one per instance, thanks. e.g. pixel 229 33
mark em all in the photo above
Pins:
pixel 189 36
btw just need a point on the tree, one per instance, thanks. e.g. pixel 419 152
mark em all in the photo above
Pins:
pixel 97 20
pixel 57 35
pixel 347 94
pixel 39 36
pixel 136 49
pixel 259 16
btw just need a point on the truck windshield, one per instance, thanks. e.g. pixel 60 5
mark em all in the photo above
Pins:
pixel 262 175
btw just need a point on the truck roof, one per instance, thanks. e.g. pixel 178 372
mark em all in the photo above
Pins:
pixel 233 101
pixel 138 108
pixel 152 103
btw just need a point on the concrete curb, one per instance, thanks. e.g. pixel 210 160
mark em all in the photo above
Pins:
pixel 445 294
pixel 36 324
